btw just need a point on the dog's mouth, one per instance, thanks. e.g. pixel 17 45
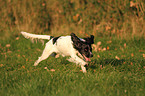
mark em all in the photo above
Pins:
pixel 86 58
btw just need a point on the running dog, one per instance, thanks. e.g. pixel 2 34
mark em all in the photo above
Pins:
pixel 66 46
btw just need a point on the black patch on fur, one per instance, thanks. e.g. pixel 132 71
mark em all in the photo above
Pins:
pixel 51 37
pixel 89 40
pixel 83 47
pixel 55 39
pixel 53 54
pixel 77 43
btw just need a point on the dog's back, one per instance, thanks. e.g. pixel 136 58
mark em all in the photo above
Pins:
pixel 64 45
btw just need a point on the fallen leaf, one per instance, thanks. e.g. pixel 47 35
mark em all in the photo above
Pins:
pixel 143 55
pixel 99 49
pixel 23 55
pixel 43 4
pixel 3 53
pixel 117 57
pixel 95 47
pixel 123 56
pixel 80 21
pixel 38 49
pixel 9 51
pixel 17 38
pixel 109 41
pixel 86 34
pixel 132 54
pixel 113 31
pixel 81 32
pixel 52 70
pixel 124 45
pixel 101 66
pixel 104 49
pixel 125 91
pixel 107 47
pixel 75 18
pixel 131 63
pixel 132 4
pixel 108 28
pixel 23 67
pixel 99 43
pixel 1 65
pixel 26 59
pixel 8 45
pixel 46 68
pixel 141 50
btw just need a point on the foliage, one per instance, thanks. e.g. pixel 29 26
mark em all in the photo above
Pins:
pixel 61 17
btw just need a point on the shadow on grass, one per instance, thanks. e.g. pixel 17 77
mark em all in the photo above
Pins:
pixel 114 62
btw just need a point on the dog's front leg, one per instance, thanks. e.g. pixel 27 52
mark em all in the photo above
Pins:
pixel 73 60
pixel 82 65
pixel 78 60
pixel 83 68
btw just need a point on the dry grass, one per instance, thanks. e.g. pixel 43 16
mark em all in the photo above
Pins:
pixel 101 18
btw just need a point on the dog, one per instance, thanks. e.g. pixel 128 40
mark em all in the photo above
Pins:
pixel 66 46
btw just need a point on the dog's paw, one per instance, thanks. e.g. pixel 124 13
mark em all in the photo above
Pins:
pixel 83 69
pixel 84 64
pixel 35 64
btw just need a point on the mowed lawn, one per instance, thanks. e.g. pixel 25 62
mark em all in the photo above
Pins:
pixel 117 69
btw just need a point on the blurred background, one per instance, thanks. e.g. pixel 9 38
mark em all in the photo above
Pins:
pixel 102 18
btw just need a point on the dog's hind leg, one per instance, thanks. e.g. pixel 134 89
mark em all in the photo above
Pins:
pixel 46 53
pixel 44 56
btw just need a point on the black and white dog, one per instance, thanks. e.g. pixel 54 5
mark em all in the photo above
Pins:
pixel 66 46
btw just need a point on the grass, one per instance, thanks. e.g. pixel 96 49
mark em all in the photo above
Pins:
pixel 106 74
pixel 119 25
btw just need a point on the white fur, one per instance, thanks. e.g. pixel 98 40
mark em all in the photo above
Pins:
pixel 63 46
pixel 34 36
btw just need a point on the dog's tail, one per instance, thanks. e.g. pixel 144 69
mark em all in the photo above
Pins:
pixel 35 37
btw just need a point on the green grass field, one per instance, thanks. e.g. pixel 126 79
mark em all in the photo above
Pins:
pixel 118 71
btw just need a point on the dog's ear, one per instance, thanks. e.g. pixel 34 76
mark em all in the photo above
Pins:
pixel 76 41
pixel 90 40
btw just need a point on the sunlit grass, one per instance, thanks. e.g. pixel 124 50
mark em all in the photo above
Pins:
pixel 106 74
pixel 117 68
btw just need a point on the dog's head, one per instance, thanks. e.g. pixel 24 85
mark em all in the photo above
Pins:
pixel 83 46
